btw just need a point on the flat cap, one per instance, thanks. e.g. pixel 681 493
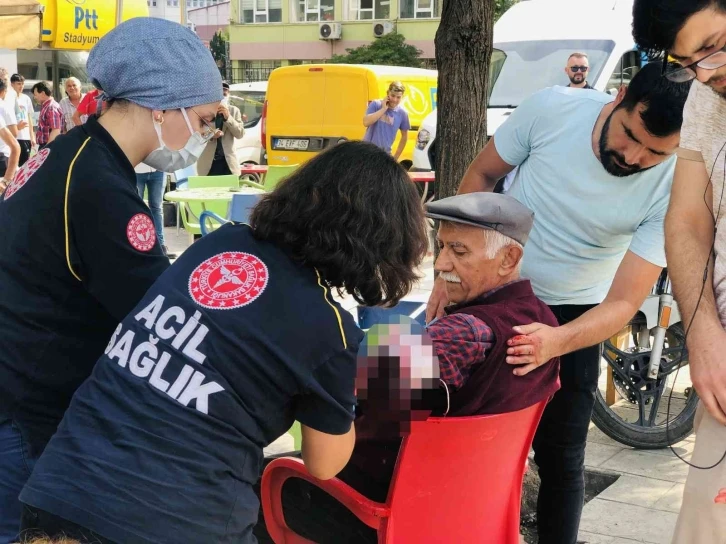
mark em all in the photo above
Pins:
pixel 487 211
pixel 156 64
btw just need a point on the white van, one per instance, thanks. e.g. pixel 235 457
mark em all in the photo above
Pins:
pixel 249 98
pixel 532 42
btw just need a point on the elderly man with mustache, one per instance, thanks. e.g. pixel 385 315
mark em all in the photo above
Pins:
pixel 481 243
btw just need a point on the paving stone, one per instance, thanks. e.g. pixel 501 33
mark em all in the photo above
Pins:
pixel 592 538
pixel 672 500
pixel 650 465
pixel 597 454
pixel 637 490
pixel 637 523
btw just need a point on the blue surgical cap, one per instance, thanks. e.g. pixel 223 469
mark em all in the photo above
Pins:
pixel 156 64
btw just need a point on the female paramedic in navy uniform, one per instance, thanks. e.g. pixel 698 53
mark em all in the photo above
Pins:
pixel 235 341
pixel 78 248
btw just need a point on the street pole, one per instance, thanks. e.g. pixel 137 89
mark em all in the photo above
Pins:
pixel 119 11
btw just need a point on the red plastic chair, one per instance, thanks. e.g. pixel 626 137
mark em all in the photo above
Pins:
pixel 455 480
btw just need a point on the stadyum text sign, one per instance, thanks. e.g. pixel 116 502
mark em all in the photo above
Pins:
pixel 79 24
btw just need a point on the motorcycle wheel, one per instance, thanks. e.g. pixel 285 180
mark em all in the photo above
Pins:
pixel 638 417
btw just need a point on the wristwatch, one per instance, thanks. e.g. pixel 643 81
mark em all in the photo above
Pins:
pixel 3 185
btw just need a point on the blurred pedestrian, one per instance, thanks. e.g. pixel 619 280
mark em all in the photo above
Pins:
pixel 24 113
pixel 70 103
pixel 219 158
pixel 50 121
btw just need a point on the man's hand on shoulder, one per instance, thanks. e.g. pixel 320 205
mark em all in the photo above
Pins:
pixel 438 300
pixel 534 345
pixel 708 370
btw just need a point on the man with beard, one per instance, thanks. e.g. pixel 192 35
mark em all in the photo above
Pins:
pixel 597 172
pixel 577 67
pixel 694 33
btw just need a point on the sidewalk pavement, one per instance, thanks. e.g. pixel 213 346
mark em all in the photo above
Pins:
pixel 641 506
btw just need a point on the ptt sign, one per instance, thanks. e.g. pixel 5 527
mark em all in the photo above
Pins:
pixel 79 24
pixel 89 16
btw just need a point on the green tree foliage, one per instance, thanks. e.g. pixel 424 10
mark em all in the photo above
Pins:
pixel 218 47
pixel 391 50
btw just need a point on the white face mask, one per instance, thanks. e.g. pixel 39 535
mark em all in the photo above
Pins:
pixel 169 160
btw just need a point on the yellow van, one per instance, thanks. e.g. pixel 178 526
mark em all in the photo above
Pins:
pixel 315 106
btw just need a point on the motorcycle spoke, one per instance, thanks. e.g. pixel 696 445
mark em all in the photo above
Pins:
pixel 654 407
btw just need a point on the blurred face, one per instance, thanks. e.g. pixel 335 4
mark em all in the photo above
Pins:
pixel 704 33
pixel 225 92
pixel 574 69
pixel 40 98
pixel 394 99
pixel 174 129
pixel 464 264
pixel 73 90
pixel 626 147
pixel 18 86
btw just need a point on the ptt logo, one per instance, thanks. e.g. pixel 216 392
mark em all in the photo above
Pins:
pixel 80 15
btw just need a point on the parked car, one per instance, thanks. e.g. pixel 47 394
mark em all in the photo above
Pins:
pixel 312 107
pixel 250 99
pixel 531 47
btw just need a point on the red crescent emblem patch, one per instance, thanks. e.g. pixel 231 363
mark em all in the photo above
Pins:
pixel 228 280
pixel 141 232
pixel 25 172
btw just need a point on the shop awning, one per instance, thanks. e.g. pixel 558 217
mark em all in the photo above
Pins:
pixel 21 24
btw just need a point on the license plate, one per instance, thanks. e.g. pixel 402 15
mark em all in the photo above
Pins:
pixel 293 144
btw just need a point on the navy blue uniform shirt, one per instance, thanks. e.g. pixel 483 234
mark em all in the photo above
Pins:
pixel 164 441
pixel 77 252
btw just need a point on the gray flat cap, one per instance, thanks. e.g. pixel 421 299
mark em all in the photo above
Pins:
pixel 486 210
pixel 156 64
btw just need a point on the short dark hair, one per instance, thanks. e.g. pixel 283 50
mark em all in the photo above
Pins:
pixel 17 78
pixel 578 55
pixel 353 214
pixel 42 87
pixel 656 23
pixel 663 100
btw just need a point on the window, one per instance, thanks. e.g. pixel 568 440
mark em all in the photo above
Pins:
pixel 250 104
pixel 625 71
pixel 543 62
pixel 420 9
pixel 261 11
pixel 365 10
pixel 254 70
pixel 314 10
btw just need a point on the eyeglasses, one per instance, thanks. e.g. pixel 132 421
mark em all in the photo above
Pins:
pixel 682 74
pixel 208 131
pixel 579 68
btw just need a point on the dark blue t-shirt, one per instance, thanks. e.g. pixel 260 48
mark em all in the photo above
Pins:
pixel 78 251
pixel 164 441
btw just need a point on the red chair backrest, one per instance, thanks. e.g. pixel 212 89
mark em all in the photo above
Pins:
pixel 462 478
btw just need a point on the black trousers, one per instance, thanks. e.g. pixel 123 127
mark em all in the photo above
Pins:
pixel 25 148
pixel 3 164
pixel 559 444
pixel 36 523
pixel 219 167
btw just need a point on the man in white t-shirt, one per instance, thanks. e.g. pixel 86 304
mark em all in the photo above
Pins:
pixel 24 113
pixel 694 34
pixel 9 147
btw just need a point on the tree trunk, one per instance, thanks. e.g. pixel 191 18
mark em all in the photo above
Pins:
pixel 463 50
